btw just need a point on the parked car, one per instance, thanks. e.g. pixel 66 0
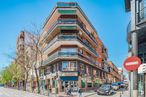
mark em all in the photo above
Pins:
pixel 115 86
pixel 1 85
pixel 105 89
pixel 121 84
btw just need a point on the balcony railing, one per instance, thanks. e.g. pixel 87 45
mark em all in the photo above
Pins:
pixel 141 15
pixel 69 38
pixel 59 54
pixel 70 21
pixel 129 27
pixel 64 4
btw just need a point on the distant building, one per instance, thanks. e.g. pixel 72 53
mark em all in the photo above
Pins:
pixel 113 75
pixel 22 49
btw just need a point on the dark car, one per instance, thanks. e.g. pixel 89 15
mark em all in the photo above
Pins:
pixel 121 84
pixel 1 85
pixel 105 89
pixel 115 86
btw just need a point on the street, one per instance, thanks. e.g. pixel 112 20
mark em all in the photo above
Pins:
pixel 5 92
pixel 115 94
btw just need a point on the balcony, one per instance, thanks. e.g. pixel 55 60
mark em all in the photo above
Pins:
pixel 64 4
pixel 69 38
pixel 129 32
pixel 129 27
pixel 141 16
pixel 70 27
pixel 67 12
pixel 68 55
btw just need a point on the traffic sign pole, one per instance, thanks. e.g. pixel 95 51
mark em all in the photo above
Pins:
pixel 131 84
pixel 132 64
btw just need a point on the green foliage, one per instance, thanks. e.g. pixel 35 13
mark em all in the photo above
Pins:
pixel 11 73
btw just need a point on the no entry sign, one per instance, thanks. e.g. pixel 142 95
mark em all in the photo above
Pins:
pixel 132 63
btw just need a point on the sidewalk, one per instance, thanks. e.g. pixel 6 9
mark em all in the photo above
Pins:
pixel 124 94
pixel 75 94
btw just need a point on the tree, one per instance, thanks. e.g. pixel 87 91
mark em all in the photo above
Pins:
pixel 11 73
pixel 6 76
pixel 34 44
pixel 24 60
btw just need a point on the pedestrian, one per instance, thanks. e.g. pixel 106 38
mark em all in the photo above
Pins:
pixel 80 92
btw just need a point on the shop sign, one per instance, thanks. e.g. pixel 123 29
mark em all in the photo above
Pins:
pixel 69 74
pixel 142 68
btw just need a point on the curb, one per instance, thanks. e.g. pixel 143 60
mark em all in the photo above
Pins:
pixel 90 95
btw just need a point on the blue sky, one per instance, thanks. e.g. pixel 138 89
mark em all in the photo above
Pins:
pixel 108 17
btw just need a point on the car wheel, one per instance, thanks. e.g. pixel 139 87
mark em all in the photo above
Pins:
pixel 109 93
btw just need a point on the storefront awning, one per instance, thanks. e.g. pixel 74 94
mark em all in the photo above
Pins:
pixel 69 78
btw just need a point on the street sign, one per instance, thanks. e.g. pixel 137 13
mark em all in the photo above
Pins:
pixel 142 68
pixel 132 63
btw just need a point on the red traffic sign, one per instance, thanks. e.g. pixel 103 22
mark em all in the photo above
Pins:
pixel 132 63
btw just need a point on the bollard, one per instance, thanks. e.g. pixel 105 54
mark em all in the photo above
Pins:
pixel 120 94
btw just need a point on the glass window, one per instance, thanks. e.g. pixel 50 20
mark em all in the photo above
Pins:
pixel 69 66
pixel 68 49
pixel 65 65
pixel 48 70
pixel 54 68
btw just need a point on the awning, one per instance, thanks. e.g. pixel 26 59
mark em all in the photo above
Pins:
pixel 69 78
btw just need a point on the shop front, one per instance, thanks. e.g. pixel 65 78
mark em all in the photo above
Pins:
pixel 68 80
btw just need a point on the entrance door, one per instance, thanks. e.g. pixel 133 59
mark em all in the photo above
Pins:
pixel 69 84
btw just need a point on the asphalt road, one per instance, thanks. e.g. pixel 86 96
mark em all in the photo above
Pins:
pixel 119 93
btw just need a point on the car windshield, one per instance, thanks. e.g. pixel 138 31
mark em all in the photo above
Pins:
pixel 105 87
pixel 114 84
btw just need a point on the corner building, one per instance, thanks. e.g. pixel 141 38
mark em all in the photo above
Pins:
pixel 136 38
pixel 71 53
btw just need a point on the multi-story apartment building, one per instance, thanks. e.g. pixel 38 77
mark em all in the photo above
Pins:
pixel 23 53
pixel 113 75
pixel 73 54
pixel 137 39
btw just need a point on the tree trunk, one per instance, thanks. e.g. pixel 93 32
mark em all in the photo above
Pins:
pixel 18 84
pixel 25 82
pixel 37 78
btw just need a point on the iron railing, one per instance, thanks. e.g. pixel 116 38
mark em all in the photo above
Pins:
pixel 60 54
pixel 69 21
pixel 69 38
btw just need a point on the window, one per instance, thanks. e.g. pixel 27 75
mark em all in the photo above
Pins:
pixel 80 51
pixel 69 66
pixel 141 10
pixel 47 70
pixel 66 50
pixel 97 73
pixel 54 68
pixel 82 68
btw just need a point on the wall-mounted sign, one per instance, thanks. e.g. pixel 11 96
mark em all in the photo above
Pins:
pixel 69 74
pixel 142 68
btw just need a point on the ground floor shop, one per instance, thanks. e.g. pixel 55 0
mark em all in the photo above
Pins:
pixel 60 75
pixel 62 83
pixel 141 85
